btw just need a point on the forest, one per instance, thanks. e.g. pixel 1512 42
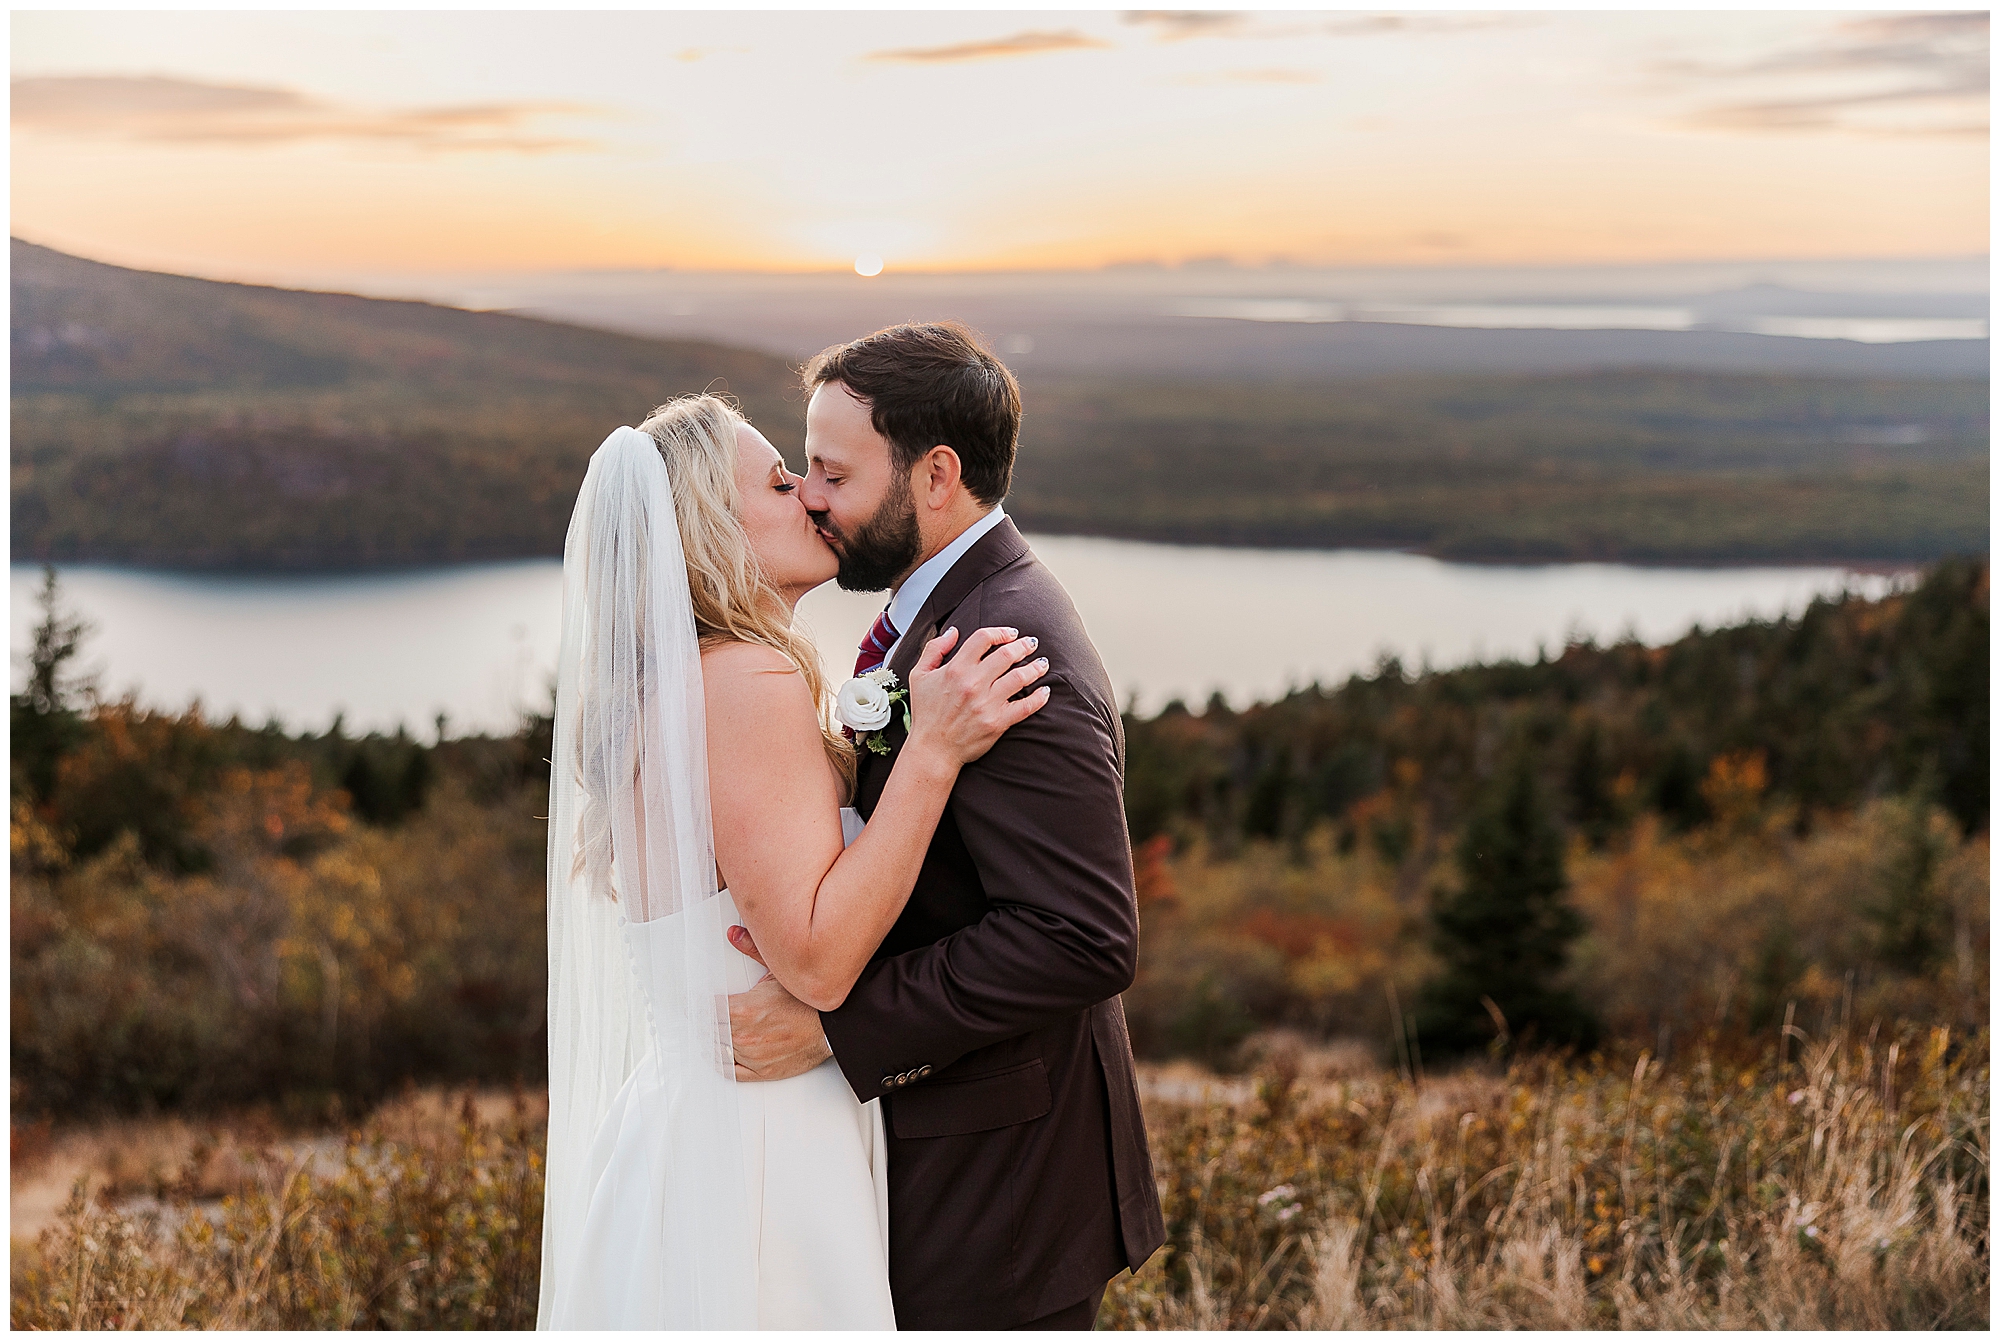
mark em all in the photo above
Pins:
pixel 1752 820
pixel 174 422
pixel 1774 820
pixel 1638 466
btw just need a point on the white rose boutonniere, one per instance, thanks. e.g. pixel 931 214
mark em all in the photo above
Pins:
pixel 865 704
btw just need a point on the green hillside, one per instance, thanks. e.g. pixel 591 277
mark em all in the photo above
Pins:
pixel 181 422
pixel 166 421
pixel 1641 466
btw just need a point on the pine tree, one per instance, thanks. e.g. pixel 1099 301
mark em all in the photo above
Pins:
pixel 1505 935
pixel 43 717
pixel 1592 804
pixel 57 639
pixel 1948 617
pixel 1910 912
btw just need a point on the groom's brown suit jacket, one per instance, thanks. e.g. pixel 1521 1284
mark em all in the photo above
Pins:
pixel 989 1022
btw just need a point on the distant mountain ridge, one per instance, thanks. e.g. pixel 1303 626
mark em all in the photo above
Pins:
pixel 165 421
pixel 84 326
pixel 1177 326
pixel 170 421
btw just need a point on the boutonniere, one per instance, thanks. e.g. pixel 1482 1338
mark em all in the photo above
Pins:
pixel 865 704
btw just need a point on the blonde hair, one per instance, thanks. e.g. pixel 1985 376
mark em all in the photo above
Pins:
pixel 733 600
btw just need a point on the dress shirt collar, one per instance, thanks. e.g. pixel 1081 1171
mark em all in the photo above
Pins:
pixel 909 599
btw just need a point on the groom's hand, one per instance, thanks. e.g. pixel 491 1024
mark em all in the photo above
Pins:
pixel 776 1035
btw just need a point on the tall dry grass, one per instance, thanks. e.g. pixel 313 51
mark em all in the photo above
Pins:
pixel 1840 1184
pixel 413 1223
pixel 1844 1184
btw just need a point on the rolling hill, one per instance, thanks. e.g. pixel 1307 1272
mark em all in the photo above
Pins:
pixel 1636 465
pixel 162 420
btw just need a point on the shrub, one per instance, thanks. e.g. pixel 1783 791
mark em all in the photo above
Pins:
pixel 313 958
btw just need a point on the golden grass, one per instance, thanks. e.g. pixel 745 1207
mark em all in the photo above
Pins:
pixel 121 1160
pixel 424 1218
pixel 1844 1185
pixel 1840 1184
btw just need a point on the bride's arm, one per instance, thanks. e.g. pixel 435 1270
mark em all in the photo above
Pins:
pixel 818 912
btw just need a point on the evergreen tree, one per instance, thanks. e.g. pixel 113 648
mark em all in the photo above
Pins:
pixel 43 722
pixel 1591 801
pixel 386 778
pixel 1949 618
pixel 1505 934
pixel 1911 915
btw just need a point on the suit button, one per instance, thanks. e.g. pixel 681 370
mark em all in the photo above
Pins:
pixel 923 1071
pixel 888 1082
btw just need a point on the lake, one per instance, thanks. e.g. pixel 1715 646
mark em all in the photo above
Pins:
pixel 478 642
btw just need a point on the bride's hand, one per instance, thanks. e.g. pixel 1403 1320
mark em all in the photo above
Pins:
pixel 959 708
pixel 745 944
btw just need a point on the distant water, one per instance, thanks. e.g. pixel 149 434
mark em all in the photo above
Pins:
pixel 1585 317
pixel 478 643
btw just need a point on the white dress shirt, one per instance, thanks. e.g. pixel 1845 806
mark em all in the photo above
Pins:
pixel 909 599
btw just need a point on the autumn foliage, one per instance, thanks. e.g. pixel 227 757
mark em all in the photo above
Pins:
pixel 1765 823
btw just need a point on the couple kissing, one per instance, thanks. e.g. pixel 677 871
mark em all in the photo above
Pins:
pixel 835 1036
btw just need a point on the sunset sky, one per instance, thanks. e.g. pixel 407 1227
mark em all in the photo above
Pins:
pixel 304 147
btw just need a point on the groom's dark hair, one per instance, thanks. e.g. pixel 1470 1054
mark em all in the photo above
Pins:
pixel 932 383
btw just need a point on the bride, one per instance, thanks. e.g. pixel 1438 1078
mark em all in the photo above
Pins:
pixel 695 787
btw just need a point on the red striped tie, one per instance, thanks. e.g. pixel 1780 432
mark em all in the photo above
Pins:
pixel 876 645
pixel 874 648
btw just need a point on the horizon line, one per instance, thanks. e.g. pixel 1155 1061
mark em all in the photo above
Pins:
pixel 1200 265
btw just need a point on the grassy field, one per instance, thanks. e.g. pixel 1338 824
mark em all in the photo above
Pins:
pixel 165 421
pixel 1836 1183
pixel 1792 1183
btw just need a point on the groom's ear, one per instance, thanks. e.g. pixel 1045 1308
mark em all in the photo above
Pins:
pixel 939 477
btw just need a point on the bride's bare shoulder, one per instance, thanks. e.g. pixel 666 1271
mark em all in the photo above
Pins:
pixel 752 679
pixel 734 658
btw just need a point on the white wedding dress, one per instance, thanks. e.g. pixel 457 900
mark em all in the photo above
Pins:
pixel 814 1171
pixel 675 1198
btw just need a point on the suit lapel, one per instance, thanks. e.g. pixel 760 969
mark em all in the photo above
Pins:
pixel 999 548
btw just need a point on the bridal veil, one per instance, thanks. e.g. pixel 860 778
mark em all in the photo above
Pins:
pixel 636 936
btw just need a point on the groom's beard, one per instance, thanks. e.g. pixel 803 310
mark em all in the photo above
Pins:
pixel 883 548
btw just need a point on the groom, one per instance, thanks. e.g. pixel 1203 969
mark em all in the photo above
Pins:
pixel 988 1022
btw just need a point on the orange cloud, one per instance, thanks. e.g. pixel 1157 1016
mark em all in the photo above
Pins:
pixel 1020 44
pixel 184 111
pixel 1928 72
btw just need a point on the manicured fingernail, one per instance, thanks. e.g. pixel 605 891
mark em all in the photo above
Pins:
pixel 1013 633
pixel 1043 662
pixel 1032 643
